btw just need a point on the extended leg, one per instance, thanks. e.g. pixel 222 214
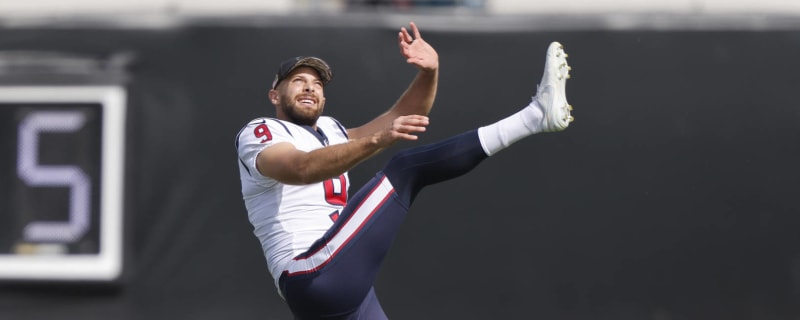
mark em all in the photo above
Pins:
pixel 333 277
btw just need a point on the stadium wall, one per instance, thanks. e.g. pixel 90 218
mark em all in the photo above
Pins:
pixel 672 195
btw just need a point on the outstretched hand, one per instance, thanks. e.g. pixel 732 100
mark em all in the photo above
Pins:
pixel 402 128
pixel 416 50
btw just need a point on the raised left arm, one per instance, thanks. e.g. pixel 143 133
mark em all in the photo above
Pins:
pixel 419 96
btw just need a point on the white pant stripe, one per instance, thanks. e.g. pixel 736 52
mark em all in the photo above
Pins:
pixel 357 220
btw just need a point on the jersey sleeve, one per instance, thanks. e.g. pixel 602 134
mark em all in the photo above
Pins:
pixel 256 136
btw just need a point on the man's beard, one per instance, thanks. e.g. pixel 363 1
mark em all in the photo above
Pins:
pixel 300 116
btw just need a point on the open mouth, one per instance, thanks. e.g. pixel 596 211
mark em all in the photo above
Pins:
pixel 308 101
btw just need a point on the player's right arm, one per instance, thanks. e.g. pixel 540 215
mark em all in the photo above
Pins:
pixel 285 163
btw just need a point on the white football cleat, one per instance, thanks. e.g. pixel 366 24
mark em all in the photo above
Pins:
pixel 551 92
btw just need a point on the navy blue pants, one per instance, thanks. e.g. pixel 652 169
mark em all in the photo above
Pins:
pixel 335 276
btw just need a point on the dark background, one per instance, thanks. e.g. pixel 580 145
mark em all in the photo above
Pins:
pixel 671 196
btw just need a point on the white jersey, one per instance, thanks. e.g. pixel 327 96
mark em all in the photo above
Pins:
pixel 287 219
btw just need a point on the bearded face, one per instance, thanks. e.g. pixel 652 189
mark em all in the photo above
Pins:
pixel 300 97
pixel 303 109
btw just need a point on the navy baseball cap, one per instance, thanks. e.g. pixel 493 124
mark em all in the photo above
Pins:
pixel 289 65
